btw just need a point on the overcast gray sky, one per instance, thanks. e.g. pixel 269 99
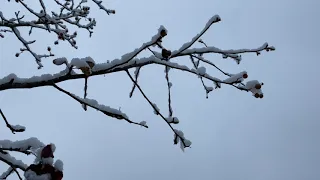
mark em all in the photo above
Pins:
pixel 235 136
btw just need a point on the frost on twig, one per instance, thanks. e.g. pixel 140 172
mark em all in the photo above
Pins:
pixel 72 14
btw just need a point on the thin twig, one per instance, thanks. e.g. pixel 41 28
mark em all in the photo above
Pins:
pixel 154 108
pixel 117 116
pixel 13 130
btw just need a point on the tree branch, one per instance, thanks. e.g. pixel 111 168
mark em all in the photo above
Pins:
pixel 13 128
pixel 156 109
pixel 102 108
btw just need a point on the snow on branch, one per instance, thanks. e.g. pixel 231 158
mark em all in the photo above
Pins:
pixel 27 146
pixel 129 60
pixel 7 173
pixel 157 112
pixel 184 47
pixel 99 107
pixel 43 165
pixel 73 14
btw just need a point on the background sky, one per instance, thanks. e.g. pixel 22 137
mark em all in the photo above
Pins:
pixel 234 135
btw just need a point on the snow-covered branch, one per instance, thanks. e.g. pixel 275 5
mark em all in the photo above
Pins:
pixel 13 128
pixel 129 60
pixel 73 14
pixel 102 108
pixel 58 23
pixel 43 163
pixel 157 112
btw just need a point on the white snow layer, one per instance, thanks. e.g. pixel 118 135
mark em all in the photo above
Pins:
pixel 33 142
pixel 143 123
pixel 235 78
pixel 18 127
pixel 30 175
pixel 58 165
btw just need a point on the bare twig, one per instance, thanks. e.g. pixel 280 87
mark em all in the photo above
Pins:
pixel 98 107
pixel 204 86
pixel 169 84
pixel 85 92
pixel 12 128
pixel 154 108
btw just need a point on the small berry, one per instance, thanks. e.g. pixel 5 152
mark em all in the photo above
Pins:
pixel 245 76
pixel 49 49
pixel 166 53
pixel 163 33
pixel 56 42
pixel 256 95
pixel 261 96
pixel 257 86
pixel 60 36
pixel 91 64
pixel 17 54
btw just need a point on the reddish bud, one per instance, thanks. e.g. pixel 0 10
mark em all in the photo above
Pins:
pixel 58 175
pixel 258 86
pixel 35 168
pixel 163 33
pixel 166 53
pixel 60 36
pixel 245 76
pixel 91 64
pixel 47 152
pixel 48 169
